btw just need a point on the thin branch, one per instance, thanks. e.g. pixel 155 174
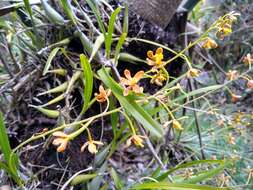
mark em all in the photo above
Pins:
pixel 196 121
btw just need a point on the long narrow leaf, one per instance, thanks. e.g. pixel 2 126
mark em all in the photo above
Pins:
pixel 189 164
pixel 4 140
pixel 172 186
pixel 119 46
pixel 97 14
pixel 50 59
pixel 6 150
pixel 88 80
pixel 67 7
pixel 108 39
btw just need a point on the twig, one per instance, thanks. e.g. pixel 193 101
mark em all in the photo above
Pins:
pixel 151 148
pixel 196 122
pixel 73 176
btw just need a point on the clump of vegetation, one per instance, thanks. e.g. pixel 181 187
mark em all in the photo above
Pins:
pixel 81 111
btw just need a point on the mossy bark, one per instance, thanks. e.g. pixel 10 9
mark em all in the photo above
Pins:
pixel 158 12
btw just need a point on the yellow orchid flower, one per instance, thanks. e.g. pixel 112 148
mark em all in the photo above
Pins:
pixel 158 79
pixel 136 139
pixel 61 140
pixel 193 73
pixel 103 94
pixel 209 44
pixel 247 60
pixel 176 125
pixel 131 82
pixel 91 144
pixel 155 59
pixel 232 74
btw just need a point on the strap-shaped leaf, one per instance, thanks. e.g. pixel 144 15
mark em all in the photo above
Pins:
pixel 108 39
pixel 50 59
pixel 4 140
pixel 88 80
pixel 6 150
pixel 67 7
pixel 200 177
pixel 173 186
pixel 129 103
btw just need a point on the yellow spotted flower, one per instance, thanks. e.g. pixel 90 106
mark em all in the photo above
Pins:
pixel 232 74
pixel 61 140
pixel 158 78
pixel 131 82
pixel 223 31
pixel 103 94
pixel 225 25
pixel 193 73
pixel 176 125
pixel 155 59
pixel 91 144
pixel 247 60
pixel 135 139
pixel 209 44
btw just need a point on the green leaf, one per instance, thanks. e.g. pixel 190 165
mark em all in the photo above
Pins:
pixel 82 178
pixel 119 46
pixel 201 177
pixel 6 150
pixel 87 45
pixel 98 43
pixel 130 58
pixel 198 91
pixel 28 8
pixel 131 106
pixel 173 186
pixel 67 7
pixel 47 112
pixel 52 14
pixel 101 155
pixel 116 179
pixel 50 59
pixel 88 80
pixel 125 21
pixel 38 41
pixel 95 9
pixel 4 140
pixel 97 181
pixel 108 38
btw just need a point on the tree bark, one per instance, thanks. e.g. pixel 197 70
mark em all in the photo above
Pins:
pixel 157 12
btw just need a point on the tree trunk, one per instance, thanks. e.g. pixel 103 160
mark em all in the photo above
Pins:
pixel 157 12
